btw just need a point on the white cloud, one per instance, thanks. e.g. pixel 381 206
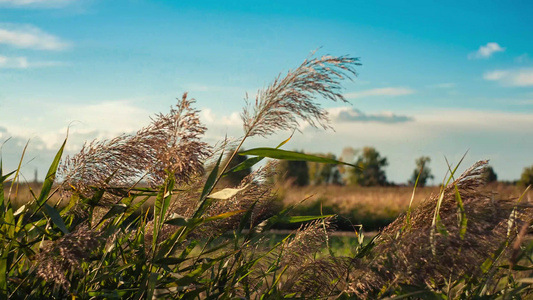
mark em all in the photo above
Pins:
pixel 495 75
pixel 517 77
pixel 486 51
pixel 50 121
pixel 388 91
pixel 30 37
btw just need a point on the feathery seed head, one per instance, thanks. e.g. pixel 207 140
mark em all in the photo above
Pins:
pixel 279 106
pixel 170 143
pixel 66 254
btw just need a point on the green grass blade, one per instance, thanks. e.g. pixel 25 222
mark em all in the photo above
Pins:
pixel 3 274
pixel 162 202
pixel 463 220
pixel 50 176
pixel 45 192
pixel 56 218
pixel 408 217
pixel 224 215
pixel 17 171
pixel 291 155
pixel 115 210
pixel 250 162
pixel 299 219
pixel 152 281
pixel 208 188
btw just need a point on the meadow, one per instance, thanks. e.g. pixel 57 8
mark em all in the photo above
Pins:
pixel 83 232
pixel 373 207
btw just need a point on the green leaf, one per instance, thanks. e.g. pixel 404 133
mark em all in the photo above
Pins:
pixel 3 269
pixel 3 178
pixel 208 187
pixel 195 275
pixel 56 218
pixel 50 176
pixel 170 260
pixel 462 214
pixel 179 220
pixel 248 163
pixel 115 210
pixel 252 161
pixel 291 155
pixel 517 268
pixel 224 215
pixel 151 285
pixel 161 205
pixel 299 219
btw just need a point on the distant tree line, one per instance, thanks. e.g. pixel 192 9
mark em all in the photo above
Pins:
pixel 370 171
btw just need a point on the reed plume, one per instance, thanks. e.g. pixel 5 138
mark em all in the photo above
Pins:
pixel 171 143
pixel 65 255
pixel 419 254
pixel 279 106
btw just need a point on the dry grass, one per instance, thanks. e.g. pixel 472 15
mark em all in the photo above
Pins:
pixel 374 207
pixel 379 201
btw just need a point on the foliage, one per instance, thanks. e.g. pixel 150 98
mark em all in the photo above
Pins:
pixel 324 174
pixel 295 172
pixel 370 171
pixel 526 178
pixel 422 172
pixel 489 175
pixel 234 178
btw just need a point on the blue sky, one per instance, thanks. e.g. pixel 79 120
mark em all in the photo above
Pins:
pixel 437 79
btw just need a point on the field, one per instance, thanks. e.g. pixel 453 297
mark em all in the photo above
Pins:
pixel 372 207
pixel 96 233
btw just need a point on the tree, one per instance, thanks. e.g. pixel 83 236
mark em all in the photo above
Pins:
pixel 527 177
pixel 320 173
pixel 296 172
pixel 370 171
pixel 233 179
pixel 489 175
pixel 422 169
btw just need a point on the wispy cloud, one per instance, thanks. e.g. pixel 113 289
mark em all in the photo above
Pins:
pixel 350 114
pixel 518 77
pixel 486 51
pixel 21 62
pixel 522 58
pixel 30 37
pixel 35 3
pixel 388 91
pixel 13 62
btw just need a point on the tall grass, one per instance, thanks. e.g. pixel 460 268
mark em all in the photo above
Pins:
pixel 204 241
